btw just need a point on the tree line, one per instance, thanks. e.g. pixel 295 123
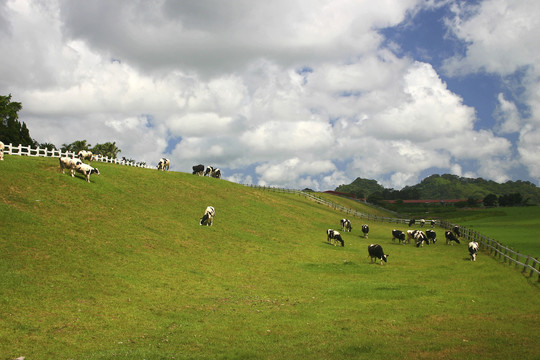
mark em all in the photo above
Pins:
pixel 13 131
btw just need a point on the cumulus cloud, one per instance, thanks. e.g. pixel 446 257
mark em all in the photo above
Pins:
pixel 290 93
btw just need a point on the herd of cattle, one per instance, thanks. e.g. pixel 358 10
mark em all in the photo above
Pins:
pixel 420 238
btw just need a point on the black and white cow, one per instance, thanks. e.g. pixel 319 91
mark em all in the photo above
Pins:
pixel 398 234
pixel 86 170
pixel 85 155
pixel 345 225
pixel 410 235
pixel 473 249
pixel 456 231
pixel 1 151
pixel 421 238
pixel 365 230
pixel 432 223
pixel 431 235
pixel 412 222
pixel 450 236
pixel 198 170
pixel 333 236
pixel 208 217
pixel 213 172
pixel 376 252
pixel 163 164
pixel 70 164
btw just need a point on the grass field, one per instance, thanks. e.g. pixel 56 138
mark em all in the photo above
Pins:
pixel 120 269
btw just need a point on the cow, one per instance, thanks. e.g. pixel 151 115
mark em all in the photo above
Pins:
pixel 86 170
pixel 421 239
pixel 163 164
pixel 208 217
pixel 411 222
pixel 422 222
pixel 333 236
pixel 198 170
pixel 410 235
pixel 456 231
pixel 1 151
pixel 85 155
pixel 70 164
pixel 213 172
pixel 450 237
pixel 375 251
pixel 346 225
pixel 431 235
pixel 432 223
pixel 365 230
pixel 398 234
pixel 473 249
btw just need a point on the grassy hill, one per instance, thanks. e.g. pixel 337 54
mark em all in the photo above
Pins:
pixel 120 269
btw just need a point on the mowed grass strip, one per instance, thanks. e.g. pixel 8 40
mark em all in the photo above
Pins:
pixel 120 269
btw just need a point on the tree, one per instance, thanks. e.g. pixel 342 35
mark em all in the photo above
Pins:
pixel 11 129
pixel 76 146
pixel 490 200
pixel 107 149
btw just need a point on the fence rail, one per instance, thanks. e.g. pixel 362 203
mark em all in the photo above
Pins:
pixel 529 265
pixel 21 150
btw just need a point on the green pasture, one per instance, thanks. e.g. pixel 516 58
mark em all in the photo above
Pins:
pixel 119 268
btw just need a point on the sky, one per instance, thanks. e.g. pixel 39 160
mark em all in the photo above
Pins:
pixel 288 93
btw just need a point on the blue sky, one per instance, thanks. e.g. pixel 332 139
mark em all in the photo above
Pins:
pixel 293 93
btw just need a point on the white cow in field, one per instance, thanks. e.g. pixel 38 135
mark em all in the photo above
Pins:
pixel 208 217
pixel 1 150
pixel 163 164
pixel 85 155
pixel 70 164
pixel 86 170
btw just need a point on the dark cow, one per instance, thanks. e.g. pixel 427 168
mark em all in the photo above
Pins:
pixel 421 239
pixel 376 252
pixel 365 230
pixel 456 231
pixel 333 236
pixel 411 222
pixel 432 223
pixel 431 235
pixel 398 234
pixel 473 249
pixel 450 237
pixel 164 164
pixel 198 170
pixel 346 225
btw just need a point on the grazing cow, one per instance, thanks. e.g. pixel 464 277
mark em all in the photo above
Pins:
pixel 86 170
pixel 198 170
pixel 376 252
pixel 410 235
pixel 431 235
pixel 398 234
pixel 1 150
pixel 70 164
pixel 208 217
pixel 346 225
pixel 450 237
pixel 85 155
pixel 421 239
pixel 473 249
pixel 365 230
pixel 456 231
pixel 411 222
pixel 213 172
pixel 432 223
pixel 422 222
pixel 163 164
pixel 333 236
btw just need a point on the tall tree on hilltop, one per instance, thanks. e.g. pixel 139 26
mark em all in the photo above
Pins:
pixel 11 129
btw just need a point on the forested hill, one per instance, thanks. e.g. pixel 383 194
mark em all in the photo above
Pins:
pixel 445 186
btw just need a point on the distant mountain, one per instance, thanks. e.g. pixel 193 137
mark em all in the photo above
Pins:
pixel 442 187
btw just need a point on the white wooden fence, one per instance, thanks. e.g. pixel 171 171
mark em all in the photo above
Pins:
pixel 529 265
pixel 11 149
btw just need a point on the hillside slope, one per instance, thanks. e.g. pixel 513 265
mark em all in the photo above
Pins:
pixel 120 269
